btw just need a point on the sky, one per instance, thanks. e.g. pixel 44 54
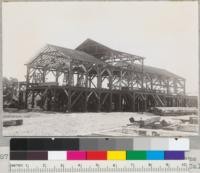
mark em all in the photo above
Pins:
pixel 164 32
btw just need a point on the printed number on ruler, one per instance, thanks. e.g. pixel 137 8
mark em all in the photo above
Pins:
pixel 4 159
pixel 99 166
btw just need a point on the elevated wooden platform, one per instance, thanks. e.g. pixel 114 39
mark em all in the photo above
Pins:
pixel 81 99
pixel 94 77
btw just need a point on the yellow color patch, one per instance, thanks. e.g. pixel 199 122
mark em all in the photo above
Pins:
pixel 116 155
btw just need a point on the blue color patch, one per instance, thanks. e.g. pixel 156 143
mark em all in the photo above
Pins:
pixel 155 155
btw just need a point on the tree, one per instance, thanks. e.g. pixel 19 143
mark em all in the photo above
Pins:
pixel 10 92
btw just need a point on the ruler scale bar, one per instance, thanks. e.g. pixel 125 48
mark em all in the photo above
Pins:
pixel 99 166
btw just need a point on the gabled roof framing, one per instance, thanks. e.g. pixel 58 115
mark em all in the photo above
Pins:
pixel 55 57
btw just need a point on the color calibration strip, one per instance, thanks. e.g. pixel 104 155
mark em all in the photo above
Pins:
pixel 99 144
pixel 97 155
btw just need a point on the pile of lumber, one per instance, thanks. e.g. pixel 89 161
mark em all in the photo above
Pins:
pixel 171 111
pixel 9 123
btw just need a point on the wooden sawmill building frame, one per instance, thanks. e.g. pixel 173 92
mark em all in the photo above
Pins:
pixel 96 78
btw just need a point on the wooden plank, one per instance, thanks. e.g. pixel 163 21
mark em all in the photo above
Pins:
pixel 104 99
pixel 110 101
pixel 86 102
pixel 76 99
pixel 8 123
pixel 69 101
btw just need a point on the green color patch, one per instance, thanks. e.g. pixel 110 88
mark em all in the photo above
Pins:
pixel 136 155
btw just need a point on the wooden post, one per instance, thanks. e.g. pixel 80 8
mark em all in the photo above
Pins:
pixel 99 102
pixel 111 80
pixel 89 81
pixel 151 78
pixel 110 102
pixel 132 80
pixel 145 103
pixel 85 101
pixel 86 79
pixel 120 101
pixel 175 86
pixel 99 79
pixel 33 99
pixel 133 102
pixel 70 75
pixel 168 90
pixel 43 75
pixel 142 74
pixel 69 100
pixel 120 81
pixel 184 86
pixel 78 82
pixel 27 87
pixel 57 76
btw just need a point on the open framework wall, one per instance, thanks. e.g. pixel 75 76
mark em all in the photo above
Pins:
pixel 68 80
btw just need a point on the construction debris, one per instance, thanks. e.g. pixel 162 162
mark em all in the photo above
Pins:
pixel 188 122
pixel 174 111
pixel 12 123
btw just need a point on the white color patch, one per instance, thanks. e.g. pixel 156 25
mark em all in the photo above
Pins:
pixel 180 144
pixel 57 155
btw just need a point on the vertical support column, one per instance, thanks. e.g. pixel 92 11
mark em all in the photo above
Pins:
pixel 99 80
pixel 145 103
pixel 120 101
pixel 99 83
pixel 99 102
pixel 57 76
pixel 132 80
pixel 184 86
pixel 185 101
pixel 44 75
pixel 151 78
pixel 111 87
pixel 85 101
pixel 69 100
pixel 86 79
pixel 78 81
pixel 33 99
pixel 111 80
pixel 168 90
pixel 142 74
pixel 20 95
pixel 128 79
pixel 133 101
pixel 175 86
pixel 120 81
pixel 27 86
pixel 110 102
pixel 70 75
pixel 89 81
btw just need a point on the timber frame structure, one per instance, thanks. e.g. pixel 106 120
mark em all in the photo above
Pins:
pixel 96 78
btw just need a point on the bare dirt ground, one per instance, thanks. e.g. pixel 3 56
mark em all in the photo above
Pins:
pixel 80 124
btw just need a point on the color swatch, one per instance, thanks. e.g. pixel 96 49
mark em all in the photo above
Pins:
pixel 107 144
pixel 76 155
pixel 97 155
pixel 116 155
pixel 98 149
